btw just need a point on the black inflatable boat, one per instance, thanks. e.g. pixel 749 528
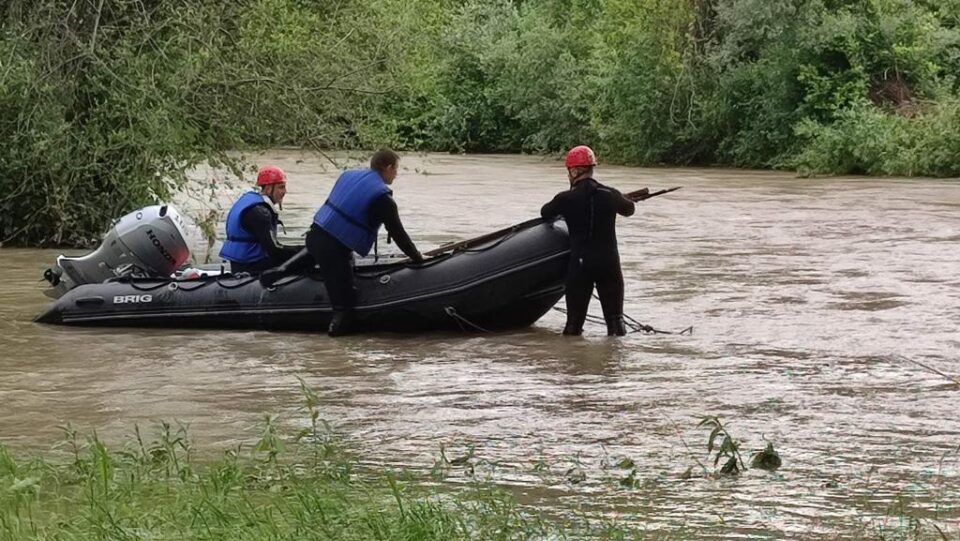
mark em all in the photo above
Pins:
pixel 509 280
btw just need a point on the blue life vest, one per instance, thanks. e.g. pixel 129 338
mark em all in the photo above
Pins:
pixel 240 245
pixel 346 213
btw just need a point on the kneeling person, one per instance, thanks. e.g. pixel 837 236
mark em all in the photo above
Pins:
pixel 251 244
pixel 348 222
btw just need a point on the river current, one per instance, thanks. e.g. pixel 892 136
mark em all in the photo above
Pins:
pixel 823 310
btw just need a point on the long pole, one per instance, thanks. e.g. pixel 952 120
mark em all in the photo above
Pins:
pixel 635 196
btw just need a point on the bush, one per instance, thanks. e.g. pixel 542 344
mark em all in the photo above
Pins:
pixel 867 140
pixel 104 105
pixel 107 105
pixel 93 104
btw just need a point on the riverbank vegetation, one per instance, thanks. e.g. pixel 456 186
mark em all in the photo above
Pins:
pixel 308 485
pixel 158 490
pixel 311 485
pixel 104 104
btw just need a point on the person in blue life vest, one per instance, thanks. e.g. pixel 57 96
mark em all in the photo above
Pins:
pixel 590 210
pixel 348 222
pixel 251 244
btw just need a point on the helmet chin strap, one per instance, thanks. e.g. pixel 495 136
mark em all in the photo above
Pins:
pixel 270 195
pixel 584 173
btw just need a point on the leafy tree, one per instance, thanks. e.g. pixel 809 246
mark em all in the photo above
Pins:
pixel 106 104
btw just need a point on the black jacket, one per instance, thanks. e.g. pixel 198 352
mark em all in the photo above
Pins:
pixel 260 221
pixel 590 210
pixel 384 211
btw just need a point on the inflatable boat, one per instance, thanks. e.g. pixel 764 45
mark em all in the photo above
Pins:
pixel 506 280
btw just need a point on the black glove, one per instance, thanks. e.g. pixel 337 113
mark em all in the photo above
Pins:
pixel 270 277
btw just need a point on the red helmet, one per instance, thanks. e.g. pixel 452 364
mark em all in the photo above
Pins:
pixel 270 174
pixel 580 156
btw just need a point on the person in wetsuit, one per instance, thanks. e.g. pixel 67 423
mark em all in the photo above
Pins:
pixel 251 244
pixel 590 210
pixel 360 202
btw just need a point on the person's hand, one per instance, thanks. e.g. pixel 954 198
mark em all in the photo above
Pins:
pixel 269 277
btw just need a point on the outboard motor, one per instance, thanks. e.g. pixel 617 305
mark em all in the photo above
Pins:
pixel 149 242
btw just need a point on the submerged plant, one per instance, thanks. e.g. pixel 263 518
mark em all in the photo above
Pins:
pixel 540 464
pixel 443 465
pixel 768 459
pixel 729 449
pixel 575 474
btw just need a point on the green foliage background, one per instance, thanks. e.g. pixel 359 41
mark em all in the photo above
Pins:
pixel 104 104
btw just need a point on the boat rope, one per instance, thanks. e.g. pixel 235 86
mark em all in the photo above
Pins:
pixel 241 281
pixel 291 279
pixel 452 312
pixel 154 284
pixel 930 368
pixel 640 327
pixel 391 268
pixel 179 284
pixel 634 325
pixel 498 242
pixel 433 260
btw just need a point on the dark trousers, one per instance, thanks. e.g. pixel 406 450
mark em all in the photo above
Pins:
pixel 582 275
pixel 336 263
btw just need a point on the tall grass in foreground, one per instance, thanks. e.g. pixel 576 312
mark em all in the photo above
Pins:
pixel 310 486
pixel 309 490
pixel 305 487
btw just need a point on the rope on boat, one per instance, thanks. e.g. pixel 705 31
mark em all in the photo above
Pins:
pixel 640 327
pixel 180 285
pixel 634 325
pixel 154 285
pixel 496 243
pixel 432 260
pixel 931 369
pixel 241 280
pixel 399 265
pixel 452 312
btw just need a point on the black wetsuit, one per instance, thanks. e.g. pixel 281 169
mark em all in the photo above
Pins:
pixel 336 259
pixel 261 222
pixel 590 210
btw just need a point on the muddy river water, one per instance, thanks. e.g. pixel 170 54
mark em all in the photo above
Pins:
pixel 812 302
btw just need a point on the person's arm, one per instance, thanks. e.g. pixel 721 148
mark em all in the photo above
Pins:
pixel 384 210
pixel 259 222
pixel 624 206
pixel 553 208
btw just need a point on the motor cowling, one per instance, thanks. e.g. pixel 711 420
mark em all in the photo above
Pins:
pixel 149 242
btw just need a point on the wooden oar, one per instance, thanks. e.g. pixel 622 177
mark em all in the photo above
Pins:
pixel 635 196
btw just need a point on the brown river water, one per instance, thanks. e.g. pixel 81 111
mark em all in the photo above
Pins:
pixel 812 302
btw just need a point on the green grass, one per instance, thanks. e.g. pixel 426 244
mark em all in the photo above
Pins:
pixel 304 486
pixel 300 486
pixel 309 490
pixel 308 486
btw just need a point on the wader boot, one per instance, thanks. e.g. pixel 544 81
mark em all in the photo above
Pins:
pixel 616 327
pixel 570 330
pixel 341 323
